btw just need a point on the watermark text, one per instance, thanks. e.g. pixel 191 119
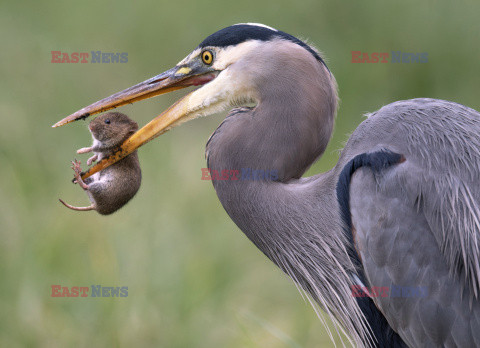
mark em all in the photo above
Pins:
pixel 89 57
pixel 239 174
pixel 89 291
pixel 392 57
pixel 386 291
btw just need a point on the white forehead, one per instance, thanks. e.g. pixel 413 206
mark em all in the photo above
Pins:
pixel 227 55
pixel 257 25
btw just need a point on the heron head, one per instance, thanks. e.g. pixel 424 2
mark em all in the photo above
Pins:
pixel 227 67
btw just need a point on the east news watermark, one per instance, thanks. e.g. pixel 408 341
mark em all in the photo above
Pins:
pixel 89 57
pixel 242 174
pixel 89 291
pixel 394 57
pixel 387 291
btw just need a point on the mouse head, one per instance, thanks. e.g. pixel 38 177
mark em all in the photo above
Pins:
pixel 112 129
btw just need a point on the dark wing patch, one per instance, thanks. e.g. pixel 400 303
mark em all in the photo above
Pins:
pixel 385 336
pixel 377 161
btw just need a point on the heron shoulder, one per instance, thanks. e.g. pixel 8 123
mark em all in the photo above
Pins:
pixel 418 222
pixel 401 249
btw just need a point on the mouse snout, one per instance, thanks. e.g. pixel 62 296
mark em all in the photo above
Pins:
pixel 97 129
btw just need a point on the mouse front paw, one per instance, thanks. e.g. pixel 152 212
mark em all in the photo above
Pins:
pixel 84 150
pixel 92 159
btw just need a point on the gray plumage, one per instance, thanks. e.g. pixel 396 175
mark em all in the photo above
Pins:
pixel 286 132
pixel 418 223
pixel 401 209
pixel 432 213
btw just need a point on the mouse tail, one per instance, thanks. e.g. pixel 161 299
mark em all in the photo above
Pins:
pixel 91 207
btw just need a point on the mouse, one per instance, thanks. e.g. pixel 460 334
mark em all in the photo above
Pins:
pixel 113 187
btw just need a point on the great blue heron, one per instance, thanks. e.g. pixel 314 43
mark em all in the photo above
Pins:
pixel 400 209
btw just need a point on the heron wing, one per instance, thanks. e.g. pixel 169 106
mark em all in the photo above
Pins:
pixel 417 224
pixel 425 304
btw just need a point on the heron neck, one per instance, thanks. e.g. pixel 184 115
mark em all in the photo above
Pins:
pixel 269 147
pixel 294 221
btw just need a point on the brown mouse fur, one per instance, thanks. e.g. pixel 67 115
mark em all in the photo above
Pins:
pixel 111 188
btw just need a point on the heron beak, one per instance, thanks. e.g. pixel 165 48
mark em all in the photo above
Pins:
pixel 181 76
pixel 177 78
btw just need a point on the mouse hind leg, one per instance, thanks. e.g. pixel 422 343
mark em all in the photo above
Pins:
pixel 78 174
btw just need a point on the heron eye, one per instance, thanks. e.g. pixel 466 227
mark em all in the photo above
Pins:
pixel 207 57
pixel 107 121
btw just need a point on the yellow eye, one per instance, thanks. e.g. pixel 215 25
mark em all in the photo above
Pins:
pixel 207 57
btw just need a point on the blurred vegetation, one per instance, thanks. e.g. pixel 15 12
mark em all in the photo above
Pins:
pixel 194 280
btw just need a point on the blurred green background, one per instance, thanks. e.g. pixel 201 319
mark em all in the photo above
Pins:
pixel 194 280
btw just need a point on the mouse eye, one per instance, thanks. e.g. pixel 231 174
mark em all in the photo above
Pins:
pixel 107 121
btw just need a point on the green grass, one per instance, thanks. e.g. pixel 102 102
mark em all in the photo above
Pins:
pixel 194 280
